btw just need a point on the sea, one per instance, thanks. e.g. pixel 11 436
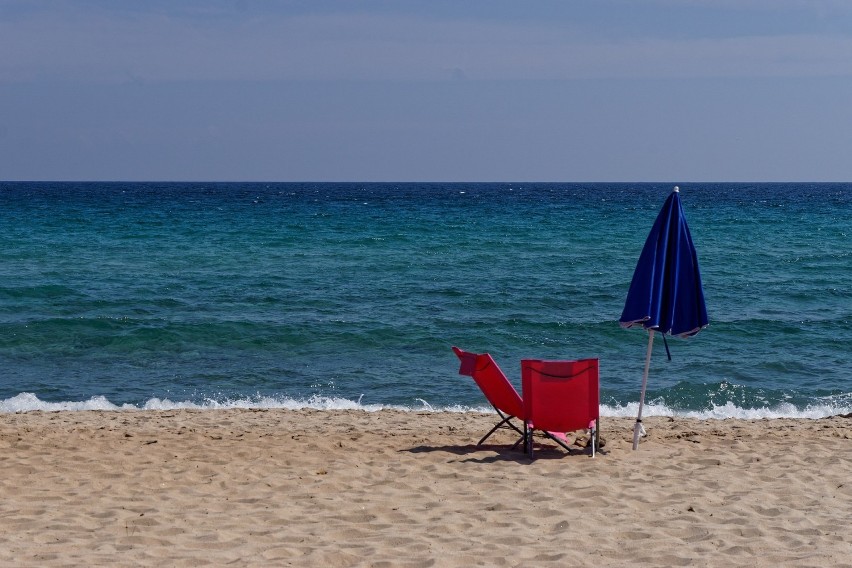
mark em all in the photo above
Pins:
pixel 149 296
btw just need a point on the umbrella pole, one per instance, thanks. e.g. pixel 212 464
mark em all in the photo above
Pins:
pixel 637 428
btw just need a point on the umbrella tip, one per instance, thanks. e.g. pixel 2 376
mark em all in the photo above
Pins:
pixel 676 189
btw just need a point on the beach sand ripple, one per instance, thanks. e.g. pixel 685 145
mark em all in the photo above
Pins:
pixel 388 488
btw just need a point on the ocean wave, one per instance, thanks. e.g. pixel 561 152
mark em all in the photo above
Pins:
pixel 823 407
pixel 29 402
pixel 729 410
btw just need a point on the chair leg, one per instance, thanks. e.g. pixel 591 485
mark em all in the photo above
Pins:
pixel 485 437
pixel 518 442
pixel 557 440
pixel 529 441
pixel 596 444
pixel 522 438
pixel 506 420
pixel 594 440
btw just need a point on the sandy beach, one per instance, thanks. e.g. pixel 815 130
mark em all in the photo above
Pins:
pixel 353 488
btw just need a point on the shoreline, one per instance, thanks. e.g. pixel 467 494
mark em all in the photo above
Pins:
pixel 393 488
pixel 28 402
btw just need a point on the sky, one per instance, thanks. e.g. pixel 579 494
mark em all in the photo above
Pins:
pixel 437 90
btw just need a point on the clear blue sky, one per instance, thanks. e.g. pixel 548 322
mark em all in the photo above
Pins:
pixel 479 90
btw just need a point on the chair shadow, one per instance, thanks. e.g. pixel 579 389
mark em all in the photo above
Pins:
pixel 503 453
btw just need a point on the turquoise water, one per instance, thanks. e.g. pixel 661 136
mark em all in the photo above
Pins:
pixel 156 295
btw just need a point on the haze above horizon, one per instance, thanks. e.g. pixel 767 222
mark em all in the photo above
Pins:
pixel 752 90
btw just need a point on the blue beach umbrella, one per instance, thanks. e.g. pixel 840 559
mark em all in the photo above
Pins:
pixel 665 294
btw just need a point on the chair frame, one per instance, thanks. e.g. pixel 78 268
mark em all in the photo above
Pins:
pixel 506 416
pixel 506 423
pixel 529 424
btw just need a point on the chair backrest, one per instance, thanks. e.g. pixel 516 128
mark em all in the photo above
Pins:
pixel 560 396
pixel 492 381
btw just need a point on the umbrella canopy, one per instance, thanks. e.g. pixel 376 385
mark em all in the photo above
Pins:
pixel 665 294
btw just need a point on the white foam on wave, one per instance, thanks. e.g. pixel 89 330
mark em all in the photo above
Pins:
pixel 29 402
pixel 730 410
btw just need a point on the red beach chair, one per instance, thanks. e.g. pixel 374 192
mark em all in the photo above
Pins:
pixel 496 388
pixel 561 396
